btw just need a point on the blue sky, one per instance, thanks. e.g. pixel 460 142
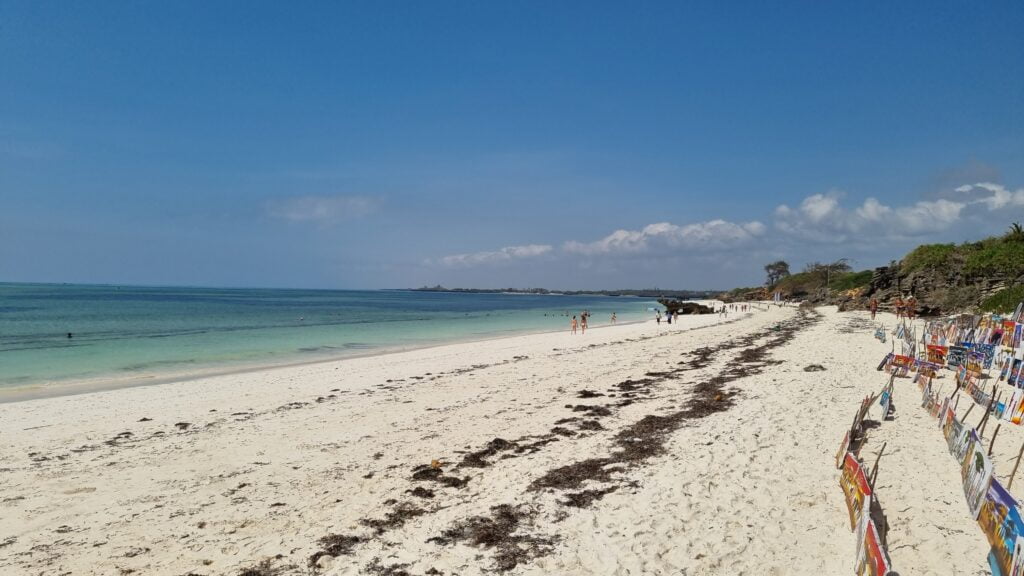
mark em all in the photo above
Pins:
pixel 565 145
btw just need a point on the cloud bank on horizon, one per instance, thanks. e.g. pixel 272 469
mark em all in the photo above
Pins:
pixel 979 209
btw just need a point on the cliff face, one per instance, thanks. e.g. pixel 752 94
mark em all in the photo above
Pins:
pixel 938 291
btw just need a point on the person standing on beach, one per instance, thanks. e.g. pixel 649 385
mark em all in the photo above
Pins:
pixel 583 323
pixel 613 317
pixel 899 307
pixel 573 324
pixel 873 306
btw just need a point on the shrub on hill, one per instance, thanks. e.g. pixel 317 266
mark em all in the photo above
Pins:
pixel 851 280
pixel 1005 300
pixel 994 256
pixel 928 256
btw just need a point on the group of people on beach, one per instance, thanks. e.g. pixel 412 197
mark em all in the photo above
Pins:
pixel 726 308
pixel 904 308
pixel 582 322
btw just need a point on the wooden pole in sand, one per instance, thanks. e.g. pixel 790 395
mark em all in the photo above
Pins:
pixel 1017 463
pixel 988 412
pixel 874 469
pixel 993 442
pixel 966 414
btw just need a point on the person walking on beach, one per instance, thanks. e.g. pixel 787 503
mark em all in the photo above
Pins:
pixel 899 307
pixel 583 323
pixel 657 316
pixel 573 324
pixel 613 317
pixel 873 306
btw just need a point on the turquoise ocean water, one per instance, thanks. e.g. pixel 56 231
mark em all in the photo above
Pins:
pixel 120 333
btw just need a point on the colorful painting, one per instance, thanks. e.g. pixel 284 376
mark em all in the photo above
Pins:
pixel 1001 522
pixel 957 439
pixel 975 359
pixel 855 486
pixel 1008 328
pixel 947 413
pixel 860 558
pixel 1017 566
pixel 900 365
pixel 1013 377
pixel 1015 407
pixel 942 410
pixel 976 471
pixel 874 561
pixel 926 395
pixel 956 356
pixel 927 369
pixel 988 352
pixel 937 354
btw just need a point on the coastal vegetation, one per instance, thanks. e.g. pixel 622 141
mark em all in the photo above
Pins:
pixel 985 275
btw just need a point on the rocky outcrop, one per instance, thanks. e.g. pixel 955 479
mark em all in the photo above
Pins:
pixel 938 291
pixel 684 307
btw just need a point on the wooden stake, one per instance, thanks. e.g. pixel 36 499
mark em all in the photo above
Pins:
pixel 993 442
pixel 874 469
pixel 956 401
pixel 969 408
pixel 988 412
pixel 1017 463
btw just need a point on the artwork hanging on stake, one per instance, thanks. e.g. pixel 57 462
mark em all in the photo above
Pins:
pixel 1001 522
pixel 937 354
pixel 873 560
pixel 855 487
pixel 976 471
pixel 956 357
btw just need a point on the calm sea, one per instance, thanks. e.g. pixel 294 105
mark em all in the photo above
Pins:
pixel 121 333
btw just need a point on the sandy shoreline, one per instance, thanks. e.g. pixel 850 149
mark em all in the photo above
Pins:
pixel 639 449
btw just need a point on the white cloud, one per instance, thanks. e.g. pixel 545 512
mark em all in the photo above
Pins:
pixel 821 217
pixel 993 196
pixel 715 235
pixel 819 225
pixel 321 209
pixel 503 255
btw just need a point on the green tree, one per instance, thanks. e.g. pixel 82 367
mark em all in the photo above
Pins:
pixel 776 271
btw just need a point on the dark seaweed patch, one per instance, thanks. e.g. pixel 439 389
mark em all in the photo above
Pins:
pixel 393 519
pixel 499 532
pixel 426 473
pixel 334 545
pixel 585 498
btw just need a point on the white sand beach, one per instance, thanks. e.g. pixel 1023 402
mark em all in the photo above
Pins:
pixel 697 448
